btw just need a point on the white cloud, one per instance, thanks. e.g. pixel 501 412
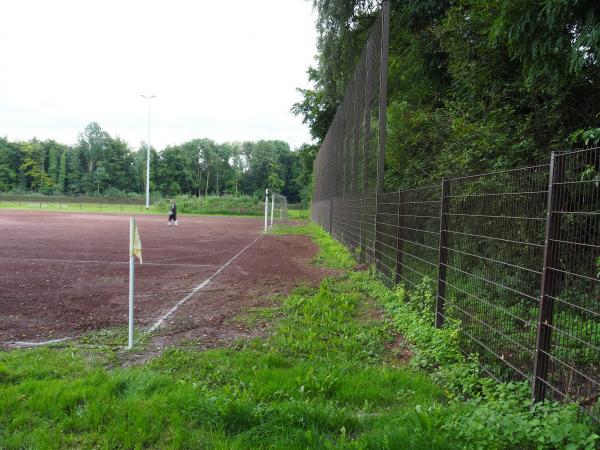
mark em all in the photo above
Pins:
pixel 223 70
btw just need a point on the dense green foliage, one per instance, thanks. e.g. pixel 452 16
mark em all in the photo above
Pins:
pixel 100 164
pixel 473 85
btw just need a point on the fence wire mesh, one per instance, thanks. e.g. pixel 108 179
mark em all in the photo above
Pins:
pixel 513 256
pixel 346 167
pixel 494 245
pixel 408 228
pixel 571 291
pixel 69 202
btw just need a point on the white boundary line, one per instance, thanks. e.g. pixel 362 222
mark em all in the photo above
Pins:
pixel 82 261
pixel 202 285
pixel 24 344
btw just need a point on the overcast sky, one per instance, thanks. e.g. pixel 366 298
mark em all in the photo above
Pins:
pixel 225 70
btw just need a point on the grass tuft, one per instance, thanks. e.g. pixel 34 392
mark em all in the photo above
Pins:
pixel 331 255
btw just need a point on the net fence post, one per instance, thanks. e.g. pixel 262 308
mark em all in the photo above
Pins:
pixel 385 32
pixel 331 216
pixel 442 255
pixel 549 285
pixel 385 29
pixel 266 208
pixel 399 224
pixel 272 208
pixel 360 230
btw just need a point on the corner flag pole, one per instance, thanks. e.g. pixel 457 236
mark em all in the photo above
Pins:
pixel 131 279
pixel 135 251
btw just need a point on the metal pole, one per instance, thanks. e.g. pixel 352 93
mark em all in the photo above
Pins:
pixel 399 225
pixel 443 256
pixel 131 280
pixel 272 207
pixel 149 98
pixel 266 208
pixel 331 216
pixel 549 287
pixel 148 160
pixel 385 33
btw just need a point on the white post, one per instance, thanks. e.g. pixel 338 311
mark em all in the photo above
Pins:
pixel 272 208
pixel 266 208
pixel 149 98
pixel 131 280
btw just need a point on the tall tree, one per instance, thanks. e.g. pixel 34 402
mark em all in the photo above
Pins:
pixel 32 167
pixel 62 172
pixel 11 159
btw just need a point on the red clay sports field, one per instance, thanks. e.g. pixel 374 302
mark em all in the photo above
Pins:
pixel 62 274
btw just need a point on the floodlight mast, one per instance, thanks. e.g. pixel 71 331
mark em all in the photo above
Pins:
pixel 149 98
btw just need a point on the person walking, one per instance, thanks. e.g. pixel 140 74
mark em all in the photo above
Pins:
pixel 173 214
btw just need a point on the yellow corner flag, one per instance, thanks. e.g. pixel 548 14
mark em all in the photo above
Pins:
pixel 135 245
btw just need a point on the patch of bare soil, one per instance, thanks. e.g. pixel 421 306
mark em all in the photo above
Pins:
pixel 398 351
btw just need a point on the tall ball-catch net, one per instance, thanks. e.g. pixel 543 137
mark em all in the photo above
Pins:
pixel 278 210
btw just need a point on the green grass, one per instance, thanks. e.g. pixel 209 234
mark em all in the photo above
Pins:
pixel 298 213
pixel 331 254
pixel 116 209
pixel 78 207
pixel 241 206
pixel 321 379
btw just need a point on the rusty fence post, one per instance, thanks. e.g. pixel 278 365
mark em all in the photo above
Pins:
pixel 382 117
pixel 360 228
pixel 442 255
pixel 385 33
pixel 331 216
pixel 376 252
pixel 399 225
pixel 549 285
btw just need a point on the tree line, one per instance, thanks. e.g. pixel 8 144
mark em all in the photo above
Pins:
pixel 99 164
pixel 473 85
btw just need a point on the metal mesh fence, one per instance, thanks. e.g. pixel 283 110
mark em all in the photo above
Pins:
pixel 494 242
pixel 569 338
pixel 70 202
pixel 516 259
pixel 347 165
pixel 514 256
pixel 408 225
